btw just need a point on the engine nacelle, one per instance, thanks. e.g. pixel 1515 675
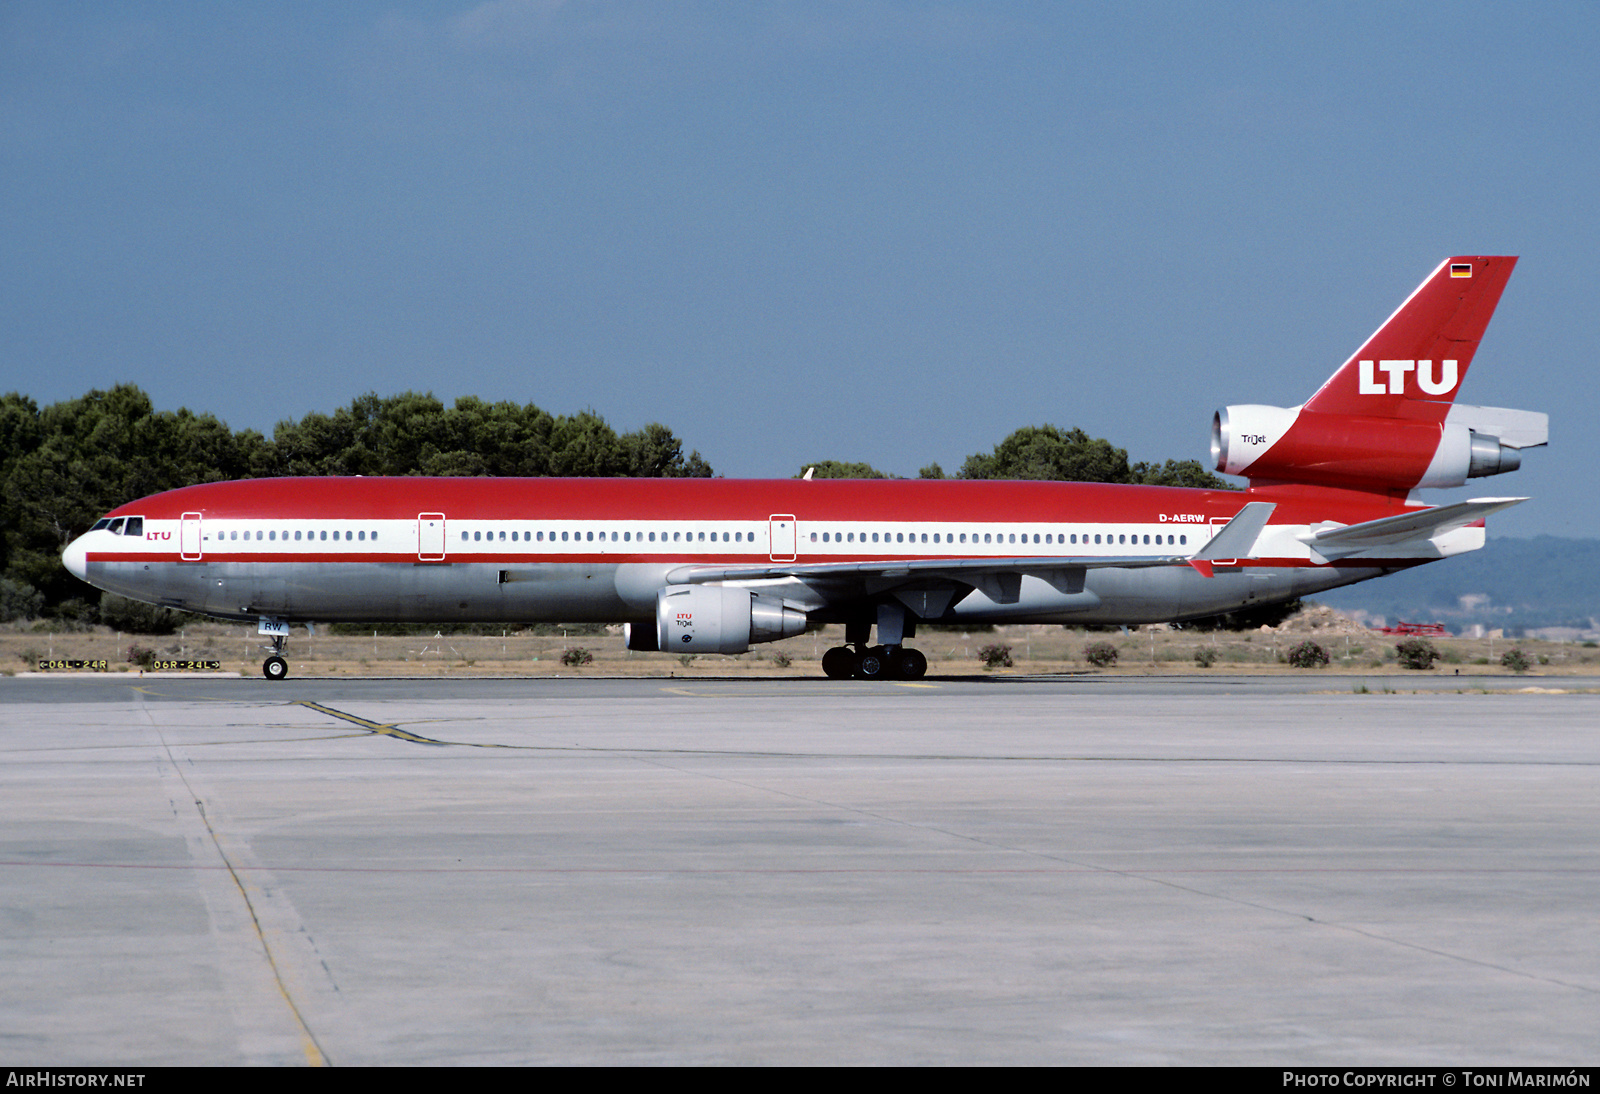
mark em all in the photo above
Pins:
pixel 641 637
pixel 1295 445
pixel 721 619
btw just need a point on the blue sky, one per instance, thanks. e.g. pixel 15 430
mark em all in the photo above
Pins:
pixel 878 231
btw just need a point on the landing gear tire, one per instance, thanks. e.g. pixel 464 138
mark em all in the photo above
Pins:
pixel 872 664
pixel 275 668
pixel 909 664
pixel 839 663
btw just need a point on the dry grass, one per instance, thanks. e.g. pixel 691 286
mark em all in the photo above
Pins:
pixel 1034 649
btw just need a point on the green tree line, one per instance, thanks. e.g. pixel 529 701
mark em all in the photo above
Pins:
pixel 1051 453
pixel 64 466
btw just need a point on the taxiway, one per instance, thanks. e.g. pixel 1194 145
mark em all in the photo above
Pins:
pixel 1256 871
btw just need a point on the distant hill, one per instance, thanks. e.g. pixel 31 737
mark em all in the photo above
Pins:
pixel 1515 584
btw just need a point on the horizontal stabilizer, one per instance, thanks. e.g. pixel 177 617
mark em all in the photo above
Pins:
pixel 1512 428
pixel 1424 524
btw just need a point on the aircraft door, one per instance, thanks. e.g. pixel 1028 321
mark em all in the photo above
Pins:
pixel 430 537
pixel 189 537
pixel 1217 525
pixel 781 537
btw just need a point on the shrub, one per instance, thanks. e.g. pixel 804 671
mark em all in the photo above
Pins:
pixel 1516 660
pixel 1308 655
pixel 577 657
pixel 1205 657
pixel 1416 653
pixel 143 656
pixel 136 617
pixel 995 656
pixel 1102 655
pixel 18 600
pixel 781 660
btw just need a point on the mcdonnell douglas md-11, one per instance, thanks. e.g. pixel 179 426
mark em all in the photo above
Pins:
pixel 715 566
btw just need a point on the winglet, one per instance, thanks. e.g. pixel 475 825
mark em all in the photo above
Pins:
pixel 1237 538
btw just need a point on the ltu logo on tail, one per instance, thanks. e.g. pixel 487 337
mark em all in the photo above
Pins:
pixel 1426 380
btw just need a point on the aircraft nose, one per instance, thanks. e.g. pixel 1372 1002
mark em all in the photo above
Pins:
pixel 76 558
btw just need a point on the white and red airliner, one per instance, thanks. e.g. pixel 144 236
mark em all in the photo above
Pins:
pixel 698 565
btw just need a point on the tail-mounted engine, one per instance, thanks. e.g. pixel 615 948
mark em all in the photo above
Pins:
pixel 1271 443
pixel 721 619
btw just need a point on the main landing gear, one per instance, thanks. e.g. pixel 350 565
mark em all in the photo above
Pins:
pixel 874 663
pixel 889 660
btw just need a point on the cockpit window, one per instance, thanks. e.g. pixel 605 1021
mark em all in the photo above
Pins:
pixel 134 527
pixel 116 526
pixel 101 523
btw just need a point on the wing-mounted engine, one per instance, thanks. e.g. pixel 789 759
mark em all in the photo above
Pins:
pixel 721 619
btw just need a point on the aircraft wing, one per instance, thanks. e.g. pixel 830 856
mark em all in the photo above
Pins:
pixel 926 585
pixel 958 568
pixel 1340 540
